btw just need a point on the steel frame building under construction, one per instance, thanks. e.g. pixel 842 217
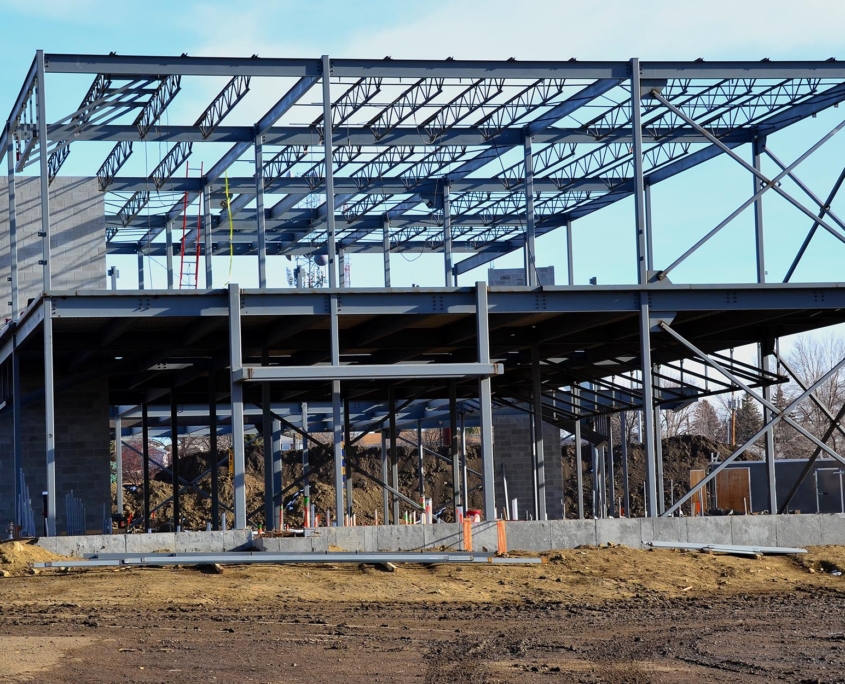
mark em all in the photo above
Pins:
pixel 469 158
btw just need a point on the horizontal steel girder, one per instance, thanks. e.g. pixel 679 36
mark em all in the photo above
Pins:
pixel 366 372
pixel 130 65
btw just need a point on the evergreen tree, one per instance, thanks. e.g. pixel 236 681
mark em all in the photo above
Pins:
pixel 749 420
pixel 706 421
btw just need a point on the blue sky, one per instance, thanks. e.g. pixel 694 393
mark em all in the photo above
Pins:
pixel 684 208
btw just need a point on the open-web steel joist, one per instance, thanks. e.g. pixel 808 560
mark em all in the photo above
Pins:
pixel 453 157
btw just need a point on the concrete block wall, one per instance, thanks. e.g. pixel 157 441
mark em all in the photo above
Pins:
pixel 77 237
pixel 513 447
pixel 82 450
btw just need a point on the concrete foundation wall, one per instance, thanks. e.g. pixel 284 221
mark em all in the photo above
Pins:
pixel 535 536
pixel 77 237
pixel 513 447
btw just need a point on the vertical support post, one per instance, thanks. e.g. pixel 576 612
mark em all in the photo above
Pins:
pixel 337 440
pixel 570 258
pixel 145 457
pixel 626 494
pixel 658 451
pixel 385 238
pixel 642 278
pixel 140 269
pixel 453 446
pixel 347 455
pixel 118 463
pixel 639 183
pixel 214 463
pixel 278 501
pixel 13 237
pixel 648 408
pixel 45 180
pixel 394 455
pixel 337 427
pixel 341 269
pixel 168 234
pixel 267 435
pixel 539 452
pixel 306 467
pixel 260 223
pixel 237 399
pixel 420 462
pixel 327 154
pixel 174 459
pixel 485 402
pixel 579 465
pixel 49 419
pixel 465 495
pixel 447 237
pixel 611 471
pixel 385 496
pixel 530 253
pixel 649 243
pixel 209 244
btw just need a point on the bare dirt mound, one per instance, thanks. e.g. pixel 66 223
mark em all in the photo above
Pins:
pixel 17 557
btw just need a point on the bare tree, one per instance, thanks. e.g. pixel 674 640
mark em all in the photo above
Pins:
pixel 706 422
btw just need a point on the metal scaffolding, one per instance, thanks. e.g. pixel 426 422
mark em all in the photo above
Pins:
pixel 469 159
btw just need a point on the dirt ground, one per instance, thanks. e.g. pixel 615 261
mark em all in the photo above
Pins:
pixel 589 615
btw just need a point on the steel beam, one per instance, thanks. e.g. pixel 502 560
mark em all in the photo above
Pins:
pixel 530 250
pixel 485 401
pixel 13 240
pixel 237 401
pixel 259 214
pixel 49 420
pixel 45 179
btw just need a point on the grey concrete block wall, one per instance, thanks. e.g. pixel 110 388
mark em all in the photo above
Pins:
pixel 78 261
pixel 513 448
pixel 82 449
pixel 77 237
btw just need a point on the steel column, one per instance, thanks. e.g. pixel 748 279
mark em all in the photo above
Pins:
pixel 453 445
pixel 347 457
pixel 214 463
pixel 465 495
pixel 385 496
pixel 642 227
pixel 649 235
pixel 611 471
pixel 648 408
pixel 530 251
pixel 260 224
pixel 306 468
pixel 447 237
pixel 278 483
pixel 174 460
pixel 570 259
pixel 49 419
pixel 420 461
pixel 337 441
pixel 394 454
pixel 579 465
pixel 485 402
pixel 327 155
pixel 118 463
pixel 168 234
pixel 626 494
pixel 539 452
pixel 45 181
pixel 267 435
pixel 140 270
pixel 385 238
pixel 145 457
pixel 237 399
pixel 207 238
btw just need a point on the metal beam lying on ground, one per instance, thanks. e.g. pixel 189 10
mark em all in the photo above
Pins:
pixel 264 557
pixel 728 548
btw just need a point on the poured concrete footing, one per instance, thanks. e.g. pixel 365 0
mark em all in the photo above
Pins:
pixel 536 536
